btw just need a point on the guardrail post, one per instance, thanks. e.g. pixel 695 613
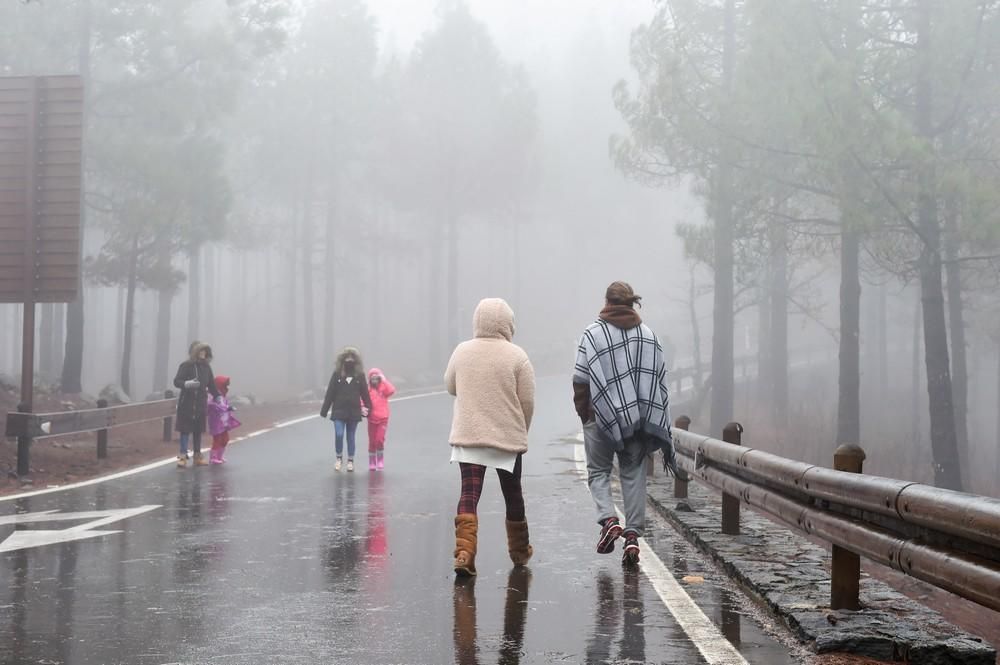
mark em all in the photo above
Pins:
pixel 23 447
pixel 681 485
pixel 102 434
pixel 845 576
pixel 733 433
pixel 168 422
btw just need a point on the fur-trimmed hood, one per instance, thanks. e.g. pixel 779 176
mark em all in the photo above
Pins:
pixel 196 348
pixel 350 352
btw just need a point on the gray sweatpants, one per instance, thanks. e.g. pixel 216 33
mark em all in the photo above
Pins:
pixel 631 470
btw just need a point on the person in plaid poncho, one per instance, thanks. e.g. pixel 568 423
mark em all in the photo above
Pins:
pixel 620 394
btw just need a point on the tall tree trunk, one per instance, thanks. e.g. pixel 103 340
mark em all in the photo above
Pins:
pixel 291 311
pixel 849 396
pixel 72 368
pixel 764 382
pixel 435 286
pixel 194 294
pixel 330 261
pixel 306 241
pixel 454 330
pixel 722 207
pixel 161 361
pixel 516 269
pixel 126 375
pixel 165 300
pixel 209 291
pixel 996 474
pixel 244 290
pixel 695 330
pixel 917 435
pixel 119 323
pixel 883 347
pixel 956 320
pixel 778 354
pixel 947 470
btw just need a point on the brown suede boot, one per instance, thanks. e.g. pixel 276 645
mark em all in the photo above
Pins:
pixel 517 542
pixel 466 530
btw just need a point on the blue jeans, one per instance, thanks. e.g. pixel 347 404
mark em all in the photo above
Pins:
pixel 340 427
pixel 184 443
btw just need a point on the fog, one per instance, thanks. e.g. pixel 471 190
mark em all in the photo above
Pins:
pixel 783 181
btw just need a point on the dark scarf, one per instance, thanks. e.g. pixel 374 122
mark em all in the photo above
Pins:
pixel 622 317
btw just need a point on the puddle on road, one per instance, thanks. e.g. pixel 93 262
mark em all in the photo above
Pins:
pixel 744 624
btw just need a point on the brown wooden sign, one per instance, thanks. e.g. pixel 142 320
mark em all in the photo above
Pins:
pixel 41 149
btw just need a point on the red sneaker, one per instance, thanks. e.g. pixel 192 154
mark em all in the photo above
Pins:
pixel 610 532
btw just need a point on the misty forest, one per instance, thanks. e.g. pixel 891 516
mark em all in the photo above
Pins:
pixel 805 192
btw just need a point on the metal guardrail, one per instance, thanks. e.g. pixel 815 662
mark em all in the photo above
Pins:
pixel 27 427
pixel 948 539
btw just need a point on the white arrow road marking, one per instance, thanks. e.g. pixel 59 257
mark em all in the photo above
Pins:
pixel 27 538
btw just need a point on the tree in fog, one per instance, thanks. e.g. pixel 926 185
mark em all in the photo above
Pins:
pixel 308 174
pixel 462 147
pixel 160 186
pixel 157 83
pixel 683 124
pixel 880 128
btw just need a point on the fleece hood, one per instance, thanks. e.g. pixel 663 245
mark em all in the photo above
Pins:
pixel 493 319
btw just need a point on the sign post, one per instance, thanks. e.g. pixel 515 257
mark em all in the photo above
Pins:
pixel 41 163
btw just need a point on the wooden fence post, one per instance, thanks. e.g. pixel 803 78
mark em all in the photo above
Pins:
pixel 681 485
pixel 168 422
pixel 845 575
pixel 733 433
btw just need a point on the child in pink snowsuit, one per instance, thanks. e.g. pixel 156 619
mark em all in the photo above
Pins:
pixel 220 420
pixel 380 390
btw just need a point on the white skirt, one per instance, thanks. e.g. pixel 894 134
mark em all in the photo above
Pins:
pixel 488 457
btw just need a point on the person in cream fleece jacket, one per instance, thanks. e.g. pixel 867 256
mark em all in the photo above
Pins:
pixel 494 387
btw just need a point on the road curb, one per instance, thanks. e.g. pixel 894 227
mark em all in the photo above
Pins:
pixel 790 576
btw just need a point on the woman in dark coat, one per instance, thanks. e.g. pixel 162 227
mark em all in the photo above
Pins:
pixel 347 391
pixel 194 380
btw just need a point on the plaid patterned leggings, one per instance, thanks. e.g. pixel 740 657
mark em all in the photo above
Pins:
pixel 510 484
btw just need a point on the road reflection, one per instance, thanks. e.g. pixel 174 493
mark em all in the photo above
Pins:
pixel 515 613
pixel 614 612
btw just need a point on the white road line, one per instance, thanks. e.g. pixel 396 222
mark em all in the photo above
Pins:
pixel 173 460
pixel 707 638
pixel 436 393
pixel 285 423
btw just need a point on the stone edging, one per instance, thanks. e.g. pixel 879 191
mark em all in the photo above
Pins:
pixel 790 576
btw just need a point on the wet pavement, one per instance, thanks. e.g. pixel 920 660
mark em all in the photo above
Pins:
pixel 277 558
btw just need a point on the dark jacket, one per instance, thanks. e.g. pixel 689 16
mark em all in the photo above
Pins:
pixel 344 398
pixel 191 402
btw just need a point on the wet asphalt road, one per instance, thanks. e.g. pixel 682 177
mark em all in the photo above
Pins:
pixel 277 558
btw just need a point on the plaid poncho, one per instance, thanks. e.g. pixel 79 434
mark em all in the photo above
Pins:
pixel 627 376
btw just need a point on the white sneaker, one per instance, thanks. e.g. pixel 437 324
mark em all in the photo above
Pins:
pixel 336 467
pixel 350 465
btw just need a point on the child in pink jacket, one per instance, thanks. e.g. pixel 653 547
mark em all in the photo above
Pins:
pixel 380 390
pixel 220 420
